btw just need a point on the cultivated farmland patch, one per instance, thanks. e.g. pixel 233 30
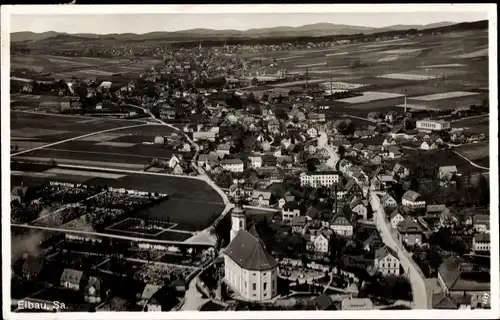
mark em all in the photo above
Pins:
pixel 92 174
pixel 337 54
pixel 444 95
pixel 449 65
pixel 34 132
pixel 474 151
pixel 402 51
pixel 116 144
pixel 475 54
pixel 100 137
pixel 369 96
pixel 312 65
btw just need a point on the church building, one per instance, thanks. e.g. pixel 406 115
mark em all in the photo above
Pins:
pixel 249 270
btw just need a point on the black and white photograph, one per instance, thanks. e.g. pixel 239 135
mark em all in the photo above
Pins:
pixel 323 161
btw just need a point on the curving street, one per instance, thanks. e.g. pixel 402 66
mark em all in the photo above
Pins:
pixel 417 282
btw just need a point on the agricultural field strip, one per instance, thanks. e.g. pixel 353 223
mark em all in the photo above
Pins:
pixel 406 76
pixel 369 96
pixel 96 164
pixel 116 144
pixel 103 153
pixel 93 174
pixel 401 51
pixel 444 95
pixel 170 228
pixel 475 54
pixel 35 132
pixel 75 138
pixel 450 65
pixel 106 235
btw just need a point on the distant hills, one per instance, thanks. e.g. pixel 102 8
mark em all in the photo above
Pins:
pixel 310 30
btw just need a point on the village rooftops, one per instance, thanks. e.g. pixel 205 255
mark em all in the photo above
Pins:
pixel 384 251
pixel 249 252
pixel 71 275
pixel 411 195
pixel 409 226
pixel 482 237
pixel 323 302
pixel 458 275
pixel 231 161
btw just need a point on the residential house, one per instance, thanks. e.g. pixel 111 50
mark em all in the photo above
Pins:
pixel 92 291
pixel 204 135
pixel 409 232
pixel 481 242
pixel 428 145
pixel 481 223
pixel 394 152
pixel 147 294
pixel 312 132
pixel 343 222
pixel 311 149
pixel 391 116
pixel 72 279
pixel 373 242
pixel 319 179
pixel 400 171
pixel 175 160
pixel 389 141
pixel 18 193
pixel 207 161
pixel 412 200
pixel 299 224
pixel 31 267
pixel 160 300
pixel 445 301
pixel 395 218
pixel 262 198
pixel 322 241
pixel 458 277
pixel 352 189
pixel 223 150
pixel 287 198
pixel 232 165
pixel 374 158
pixel 112 305
pixel 388 201
pixel 290 210
pixel 178 169
pixel 255 161
pixel 360 207
pixel 445 173
pixel 386 261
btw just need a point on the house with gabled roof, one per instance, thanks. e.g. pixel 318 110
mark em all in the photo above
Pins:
pixel 445 301
pixel 373 242
pixel 409 232
pixel 388 201
pixel 289 211
pixel 31 267
pixel 321 242
pixel 458 277
pixel 343 222
pixel 412 200
pixel 72 279
pixel 395 218
pixel 360 207
pixel 400 171
pixel 386 261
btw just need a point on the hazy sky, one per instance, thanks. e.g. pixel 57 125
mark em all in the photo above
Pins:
pixel 143 23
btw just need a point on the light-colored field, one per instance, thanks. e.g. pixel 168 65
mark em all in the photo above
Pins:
pixel 22 138
pixel 33 174
pixel 301 82
pixel 101 137
pixel 312 65
pixel 475 54
pixel 116 144
pixel 336 54
pixel 450 65
pixel 291 57
pixel 407 76
pixel 84 162
pixel 402 51
pixel 369 96
pixel 445 95
pixel 93 174
pixel 413 106
pixel 388 58
pixel 34 132
pixel 96 72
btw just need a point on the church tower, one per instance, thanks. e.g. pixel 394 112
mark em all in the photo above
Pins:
pixel 238 217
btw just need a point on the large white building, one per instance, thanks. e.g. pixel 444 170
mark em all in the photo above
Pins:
pixel 249 269
pixel 319 179
pixel 233 165
pixel 433 125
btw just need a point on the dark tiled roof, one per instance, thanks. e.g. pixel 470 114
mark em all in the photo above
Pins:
pixel 482 237
pixel 453 270
pixel 71 275
pixel 382 252
pixel 409 226
pixel 249 252
pixel 32 265
pixel 323 302
pixel 443 301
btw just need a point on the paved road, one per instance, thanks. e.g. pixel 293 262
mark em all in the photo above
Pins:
pixel 418 283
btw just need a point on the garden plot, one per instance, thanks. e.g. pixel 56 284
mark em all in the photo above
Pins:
pixel 369 96
pixel 444 95
pixel 101 137
pixel 116 144
pixel 34 132
pixel 92 174
pixel 336 54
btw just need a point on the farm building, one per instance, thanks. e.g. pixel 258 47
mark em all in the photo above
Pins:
pixel 433 125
